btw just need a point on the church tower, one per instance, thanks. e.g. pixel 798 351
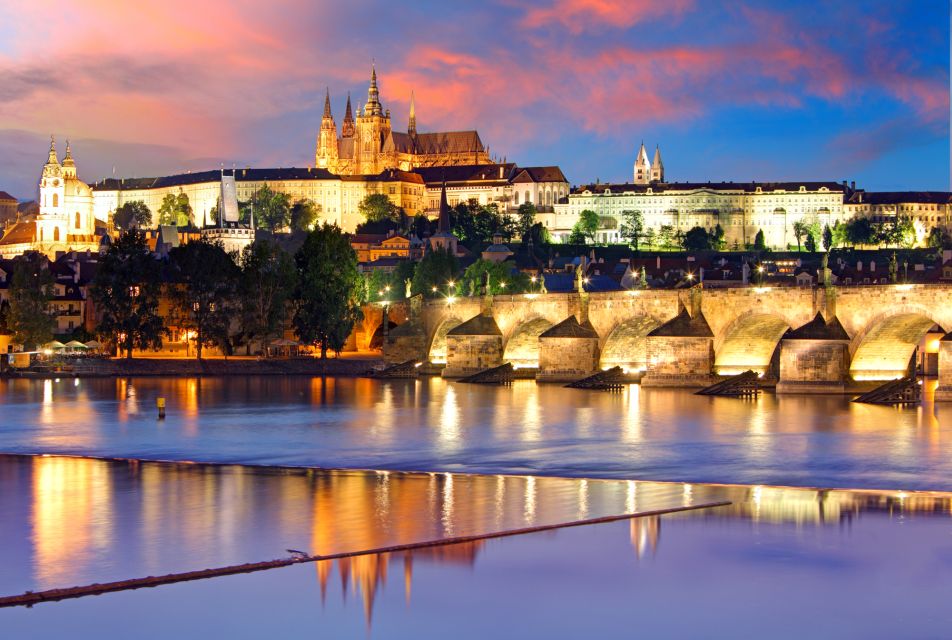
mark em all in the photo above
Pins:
pixel 347 128
pixel 373 127
pixel 657 168
pixel 326 156
pixel 642 172
pixel 411 127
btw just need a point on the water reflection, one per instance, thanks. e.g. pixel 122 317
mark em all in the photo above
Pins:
pixel 91 520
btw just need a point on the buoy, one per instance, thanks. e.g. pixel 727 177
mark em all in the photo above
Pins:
pixel 160 403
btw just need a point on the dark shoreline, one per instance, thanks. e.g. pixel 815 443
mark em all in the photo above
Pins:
pixel 190 368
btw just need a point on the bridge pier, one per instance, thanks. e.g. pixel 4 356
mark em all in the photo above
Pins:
pixel 943 392
pixel 814 358
pixel 681 353
pixel 568 351
pixel 473 346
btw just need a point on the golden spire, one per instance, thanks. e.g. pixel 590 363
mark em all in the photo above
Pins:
pixel 411 128
pixel 52 158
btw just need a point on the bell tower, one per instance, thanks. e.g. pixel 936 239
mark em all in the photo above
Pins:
pixel 326 156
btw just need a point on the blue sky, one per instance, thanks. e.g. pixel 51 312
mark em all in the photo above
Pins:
pixel 734 90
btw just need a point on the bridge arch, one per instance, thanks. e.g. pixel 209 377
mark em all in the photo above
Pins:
pixel 627 343
pixel 749 342
pixel 437 350
pixel 883 349
pixel 522 348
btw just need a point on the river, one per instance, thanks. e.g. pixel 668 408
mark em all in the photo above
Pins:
pixel 528 428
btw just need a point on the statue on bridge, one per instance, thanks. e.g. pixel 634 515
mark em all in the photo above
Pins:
pixel 580 277
pixel 407 283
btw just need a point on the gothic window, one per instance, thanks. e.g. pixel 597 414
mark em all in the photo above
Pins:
pixel 77 220
pixel 515 197
pixel 528 197
pixel 55 199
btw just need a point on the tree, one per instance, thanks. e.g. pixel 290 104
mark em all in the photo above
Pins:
pixel 265 285
pixel 527 213
pixel 632 227
pixel 175 210
pixel 204 279
pixel 810 244
pixel 717 240
pixel 31 290
pixel 649 237
pixel 377 206
pixel 666 236
pixel 304 214
pixel 328 292
pixel 938 238
pixel 860 231
pixel 272 210
pixel 435 271
pixel 759 243
pixel 586 227
pixel 827 238
pixel 697 239
pixel 132 215
pixel 126 293
pixel 799 231
pixel 502 278
pixel 475 225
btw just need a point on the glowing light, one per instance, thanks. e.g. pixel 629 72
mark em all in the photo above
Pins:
pixel 533 279
pixel 690 276
pixel 532 296
pixel 761 289
pixel 760 269
pixel 903 287
pixel 632 292
pixel 451 300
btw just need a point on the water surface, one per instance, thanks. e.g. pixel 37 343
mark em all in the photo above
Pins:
pixel 528 428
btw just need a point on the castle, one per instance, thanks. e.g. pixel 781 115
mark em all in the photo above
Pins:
pixel 65 221
pixel 368 144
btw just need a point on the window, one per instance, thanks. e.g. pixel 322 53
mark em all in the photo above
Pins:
pixel 56 233
pixel 77 220
pixel 55 199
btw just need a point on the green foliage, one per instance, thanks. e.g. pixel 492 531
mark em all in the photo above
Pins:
pixel 632 227
pixel 132 215
pixel 272 210
pixel 502 278
pixel 437 269
pixel 697 239
pixel 718 243
pixel 329 289
pixel 799 231
pixel 810 243
pixel 649 237
pixel 205 278
pixel 759 243
pixel 377 206
pixel 31 290
pixel 265 285
pixel 586 227
pixel 860 231
pixel 126 294
pixel 827 238
pixel 304 214
pixel 175 210
pixel 526 220
pixel 939 238
pixel 475 225
pixel 666 236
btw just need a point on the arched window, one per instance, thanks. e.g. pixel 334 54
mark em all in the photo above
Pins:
pixel 55 199
pixel 77 220
pixel 515 197
pixel 528 197
pixel 55 234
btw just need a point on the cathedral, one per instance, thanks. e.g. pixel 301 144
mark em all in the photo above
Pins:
pixel 65 221
pixel 367 143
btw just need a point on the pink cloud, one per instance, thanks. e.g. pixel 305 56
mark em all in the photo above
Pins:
pixel 579 15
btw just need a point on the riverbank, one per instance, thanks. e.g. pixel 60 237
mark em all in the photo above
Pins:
pixel 213 367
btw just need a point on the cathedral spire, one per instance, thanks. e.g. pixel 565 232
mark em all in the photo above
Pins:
pixel 327 103
pixel 411 128
pixel 642 173
pixel 657 167
pixel 372 108
pixel 69 154
pixel 347 130
pixel 443 223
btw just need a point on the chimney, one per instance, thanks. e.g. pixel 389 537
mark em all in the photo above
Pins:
pixel 852 185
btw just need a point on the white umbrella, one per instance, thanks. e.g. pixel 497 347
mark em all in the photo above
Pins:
pixel 93 344
pixel 75 344
pixel 56 344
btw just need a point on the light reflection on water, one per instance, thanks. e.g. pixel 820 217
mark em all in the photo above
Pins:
pixel 436 425
pixel 70 521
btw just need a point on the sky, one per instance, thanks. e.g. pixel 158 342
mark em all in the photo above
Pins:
pixel 731 90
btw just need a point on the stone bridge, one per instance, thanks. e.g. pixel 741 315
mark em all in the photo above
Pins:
pixel 809 339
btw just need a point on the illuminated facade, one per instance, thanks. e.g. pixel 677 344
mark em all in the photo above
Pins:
pixel 65 221
pixel 367 143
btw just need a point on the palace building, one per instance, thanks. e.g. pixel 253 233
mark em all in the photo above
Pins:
pixel 65 221
pixel 367 143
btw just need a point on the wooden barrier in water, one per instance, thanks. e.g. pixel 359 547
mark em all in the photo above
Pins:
pixel 743 385
pixel 895 392
pixel 503 374
pixel 30 598
pixel 613 379
pixel 408 369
